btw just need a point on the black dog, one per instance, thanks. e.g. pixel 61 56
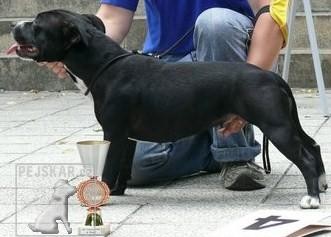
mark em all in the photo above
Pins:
pixel 146 99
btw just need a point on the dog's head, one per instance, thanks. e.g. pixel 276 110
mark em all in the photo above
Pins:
pixel 52 33
pixel 63 190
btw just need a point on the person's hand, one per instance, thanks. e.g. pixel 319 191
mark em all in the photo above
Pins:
pixel 56 67
pixel 232 125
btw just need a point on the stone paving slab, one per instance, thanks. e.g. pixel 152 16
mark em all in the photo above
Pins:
pixel 29 8
pixel 44 127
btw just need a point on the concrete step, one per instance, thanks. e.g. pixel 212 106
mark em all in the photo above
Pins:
pixel 133 41
pixel 322 22
pixel 23 75
pixel 29 8
pixel 136 36
pixel 17 74
pixel 302 73
pixel 317 5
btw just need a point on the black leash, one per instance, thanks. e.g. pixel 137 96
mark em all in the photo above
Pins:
pixel 168 50
pixel 103 68
pixel 265 155
pixel 176 43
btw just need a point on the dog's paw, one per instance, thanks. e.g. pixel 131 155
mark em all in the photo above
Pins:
pixel 309 202
pixel 117 192
pixel 323 186
pixel 69 230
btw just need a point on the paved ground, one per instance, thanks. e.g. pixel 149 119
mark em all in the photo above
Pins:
pixel 44 127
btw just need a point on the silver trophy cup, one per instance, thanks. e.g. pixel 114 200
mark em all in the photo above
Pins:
pixel 93 193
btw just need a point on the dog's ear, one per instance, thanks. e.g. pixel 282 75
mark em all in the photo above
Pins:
pixel 96 21
pixel 76 33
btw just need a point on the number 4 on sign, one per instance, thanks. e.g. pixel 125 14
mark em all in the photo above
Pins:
pixel 268 222
pixel 275 223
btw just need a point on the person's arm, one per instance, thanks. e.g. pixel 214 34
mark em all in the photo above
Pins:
pixel 117 21
pixel 267 39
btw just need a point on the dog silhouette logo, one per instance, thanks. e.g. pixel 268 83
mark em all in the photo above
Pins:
pixel 57 209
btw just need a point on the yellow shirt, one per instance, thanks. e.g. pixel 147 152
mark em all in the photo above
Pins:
pixel 279 10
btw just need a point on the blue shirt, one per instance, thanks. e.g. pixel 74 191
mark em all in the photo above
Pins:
pixel 169 20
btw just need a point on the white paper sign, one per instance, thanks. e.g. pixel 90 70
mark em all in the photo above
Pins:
pixel 271 223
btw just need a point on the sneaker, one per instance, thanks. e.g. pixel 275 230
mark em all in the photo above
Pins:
pixel 242 176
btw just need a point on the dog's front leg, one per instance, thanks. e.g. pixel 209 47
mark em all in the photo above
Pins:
pixel 126 167
pixel 116 162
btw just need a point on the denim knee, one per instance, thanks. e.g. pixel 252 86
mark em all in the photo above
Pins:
pixel 221 34
pixel 214 23
pixel 148 159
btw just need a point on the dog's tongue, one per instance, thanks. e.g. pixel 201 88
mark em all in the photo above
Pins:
pixel 12 49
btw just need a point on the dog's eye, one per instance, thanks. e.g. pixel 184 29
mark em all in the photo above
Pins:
pixel 36 28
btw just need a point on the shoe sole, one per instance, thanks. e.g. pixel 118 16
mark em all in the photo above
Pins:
pixel 245 183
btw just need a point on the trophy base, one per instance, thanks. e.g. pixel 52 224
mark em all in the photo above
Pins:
pixel 102 230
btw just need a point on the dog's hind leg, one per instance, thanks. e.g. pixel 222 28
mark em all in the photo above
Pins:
pixel 309 143
pixel 315 151
pixel 273 110
pixel 288 142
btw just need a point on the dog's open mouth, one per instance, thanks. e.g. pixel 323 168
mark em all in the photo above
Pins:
pixel 23 50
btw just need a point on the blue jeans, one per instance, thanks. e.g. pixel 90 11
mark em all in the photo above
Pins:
pixel 219 35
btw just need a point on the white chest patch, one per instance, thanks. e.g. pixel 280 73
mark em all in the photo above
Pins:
pixel 80 84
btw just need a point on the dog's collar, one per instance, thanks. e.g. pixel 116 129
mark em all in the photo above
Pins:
pixel 100 71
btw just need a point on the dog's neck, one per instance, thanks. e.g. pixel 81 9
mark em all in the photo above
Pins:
pixel 77 58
